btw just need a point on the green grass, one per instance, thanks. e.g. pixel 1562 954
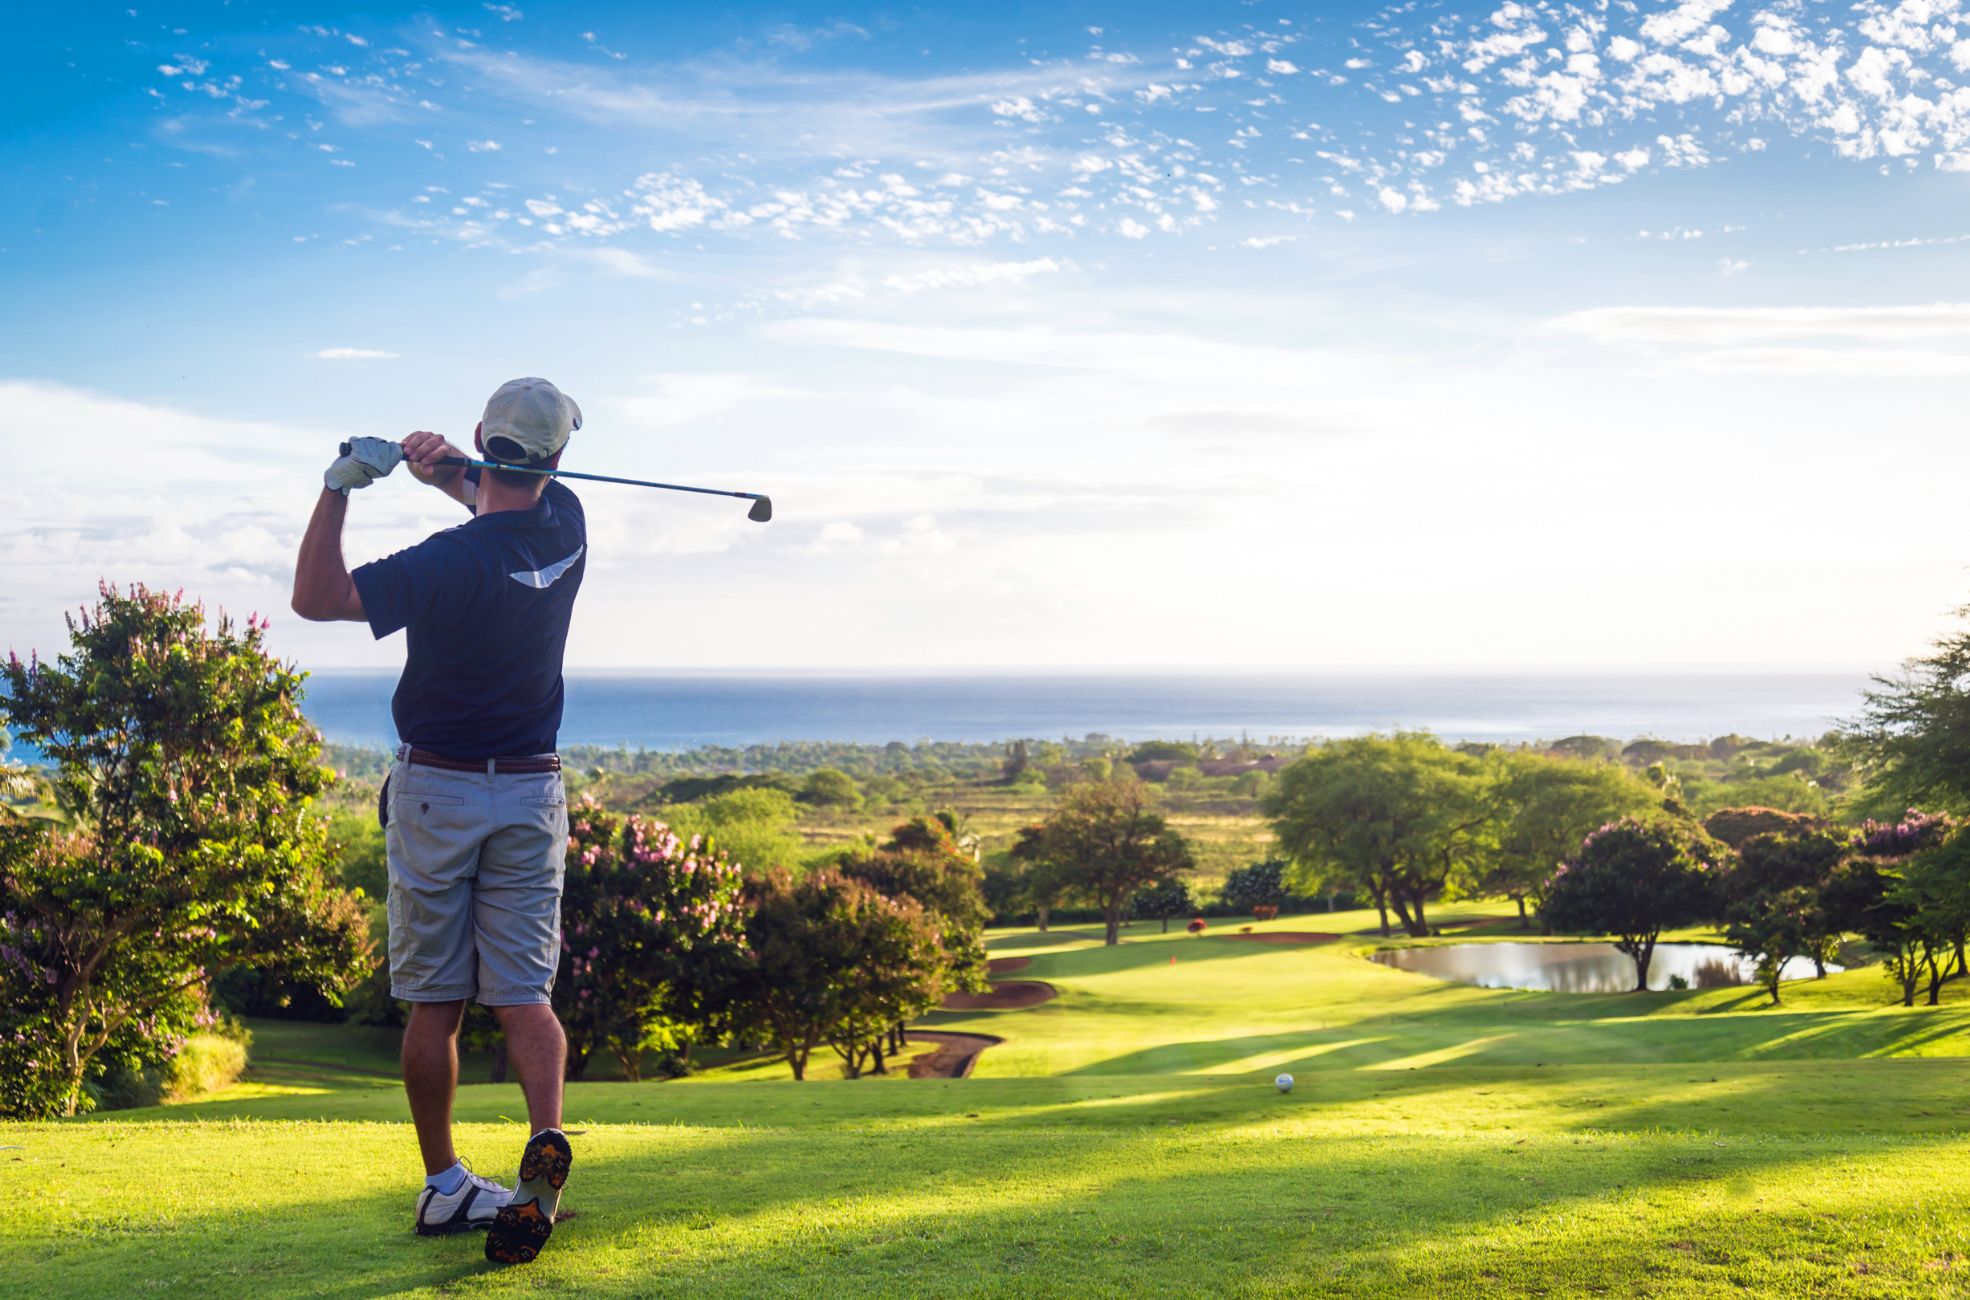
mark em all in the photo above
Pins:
pixel 1124 1140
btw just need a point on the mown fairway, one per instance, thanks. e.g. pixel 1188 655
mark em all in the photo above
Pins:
pixel 1124 1139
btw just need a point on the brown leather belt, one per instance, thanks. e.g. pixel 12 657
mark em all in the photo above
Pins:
pixel 501 766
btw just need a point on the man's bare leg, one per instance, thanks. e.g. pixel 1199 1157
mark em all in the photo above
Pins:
pixel 538 1051
pixel 431 1078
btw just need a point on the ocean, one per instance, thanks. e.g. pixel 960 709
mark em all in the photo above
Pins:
pixel 684 711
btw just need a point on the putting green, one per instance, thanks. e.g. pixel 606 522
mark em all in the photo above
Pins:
pixel 1125 1138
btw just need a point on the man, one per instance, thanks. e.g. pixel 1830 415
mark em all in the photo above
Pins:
pixel 475 818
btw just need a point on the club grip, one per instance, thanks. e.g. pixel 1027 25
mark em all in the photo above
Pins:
pixel 448 460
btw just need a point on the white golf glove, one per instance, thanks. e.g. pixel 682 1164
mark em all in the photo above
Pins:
pixel 363 460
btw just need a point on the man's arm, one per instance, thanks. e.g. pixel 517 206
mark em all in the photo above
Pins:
pixel 422 452
pixel 323 590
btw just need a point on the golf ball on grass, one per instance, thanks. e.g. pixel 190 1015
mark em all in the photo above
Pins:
pixel 1284 1083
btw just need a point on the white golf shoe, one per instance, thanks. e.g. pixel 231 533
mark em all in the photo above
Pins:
pixel 472 1208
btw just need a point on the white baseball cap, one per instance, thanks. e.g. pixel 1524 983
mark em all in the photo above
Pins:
pixel 528 420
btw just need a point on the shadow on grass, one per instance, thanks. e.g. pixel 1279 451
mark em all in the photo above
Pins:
pixel 1526 1030
pixel 1010 1203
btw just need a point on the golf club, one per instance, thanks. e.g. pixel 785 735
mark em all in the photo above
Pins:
pixel 762 506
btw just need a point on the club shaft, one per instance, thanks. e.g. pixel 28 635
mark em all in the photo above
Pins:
pixel 600 478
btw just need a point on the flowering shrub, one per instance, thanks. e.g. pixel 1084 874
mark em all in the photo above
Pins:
pixel 1915 831
pixel 183 771
pixel 647 921
pixel 1265 912
pixel 1196 926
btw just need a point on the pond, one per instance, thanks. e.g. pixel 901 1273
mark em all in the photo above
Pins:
pixel 1583 967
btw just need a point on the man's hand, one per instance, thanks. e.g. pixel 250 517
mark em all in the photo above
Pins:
pixel 364 461
pixel 422 452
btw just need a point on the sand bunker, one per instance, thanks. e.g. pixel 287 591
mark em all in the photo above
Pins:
pixel 1005 995
pixel 954 1057
pixel 1286 936
pixel 1004 965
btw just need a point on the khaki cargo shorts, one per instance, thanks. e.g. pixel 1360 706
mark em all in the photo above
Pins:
pixel 476 860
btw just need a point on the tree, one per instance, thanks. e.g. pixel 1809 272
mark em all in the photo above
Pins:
pixel 1395 816
pixel 830 787
pixel 1864 893
pixel 1017 760
pixel 830 960
pixel 1912 739
pixel 1163 751
pixel 1263 884
pixel 1162 901
pixel 1020 879
pixel 1935 886
pixel 184 773
pixel 1904 890
pixel 1108 844
pixel 1773 900
pixel 922 861
pixel 650 930
pixel 1633 880
pixel 1543 807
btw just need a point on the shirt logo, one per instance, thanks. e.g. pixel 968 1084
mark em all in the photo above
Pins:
pixel 542 579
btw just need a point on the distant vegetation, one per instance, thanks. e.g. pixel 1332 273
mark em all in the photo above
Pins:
pixel 883 863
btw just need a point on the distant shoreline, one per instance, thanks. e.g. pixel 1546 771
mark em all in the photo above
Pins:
pixel 690 710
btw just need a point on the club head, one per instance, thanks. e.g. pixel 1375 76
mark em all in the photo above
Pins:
pixel 762 510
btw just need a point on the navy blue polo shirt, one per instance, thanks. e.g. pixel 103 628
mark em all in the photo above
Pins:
pixel 485 608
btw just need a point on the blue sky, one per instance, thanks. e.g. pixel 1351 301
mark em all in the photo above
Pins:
pixel 1250 335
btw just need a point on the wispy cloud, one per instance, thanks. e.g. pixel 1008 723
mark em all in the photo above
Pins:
pixel 1740 325
pixel 1879 341
pixel 1399 114
pixel 355 354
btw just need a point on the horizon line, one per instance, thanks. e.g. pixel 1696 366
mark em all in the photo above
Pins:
pixel 1189 670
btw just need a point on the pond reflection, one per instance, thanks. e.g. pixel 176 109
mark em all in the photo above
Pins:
pixel 1583 967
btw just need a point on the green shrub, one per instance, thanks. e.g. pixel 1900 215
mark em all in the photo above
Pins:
pixel 830 787
pixel 206 1063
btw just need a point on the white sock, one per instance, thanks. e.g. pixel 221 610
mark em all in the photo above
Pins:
pixel 448 1181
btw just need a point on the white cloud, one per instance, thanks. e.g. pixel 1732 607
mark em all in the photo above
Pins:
pixel 355 354
pixel 836 535
pixel 1879 342
pixel 971 273
pixel 688 400
pixel 1739 325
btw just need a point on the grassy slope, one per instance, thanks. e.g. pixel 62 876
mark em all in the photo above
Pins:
pixel 1124 1139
